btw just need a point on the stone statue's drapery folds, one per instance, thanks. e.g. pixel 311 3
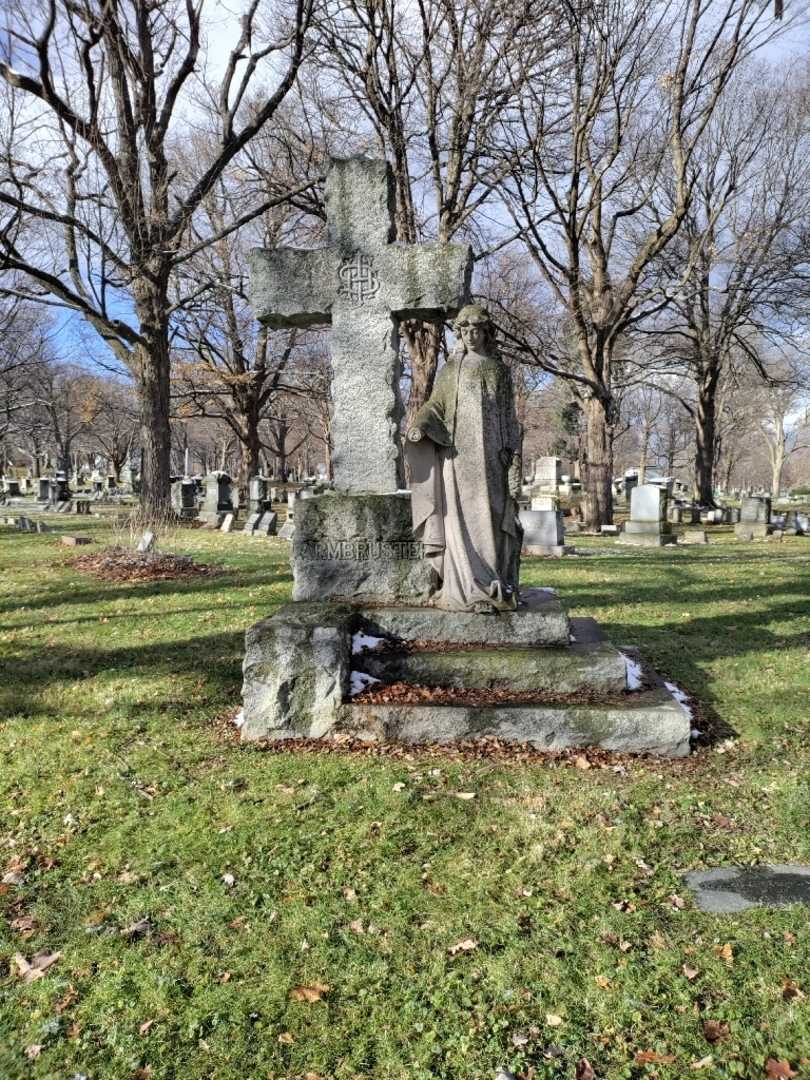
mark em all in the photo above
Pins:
pixel 464 456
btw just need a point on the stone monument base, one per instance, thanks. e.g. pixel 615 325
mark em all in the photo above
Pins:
pixel 647 534
pixel 752 530
pixel 558 683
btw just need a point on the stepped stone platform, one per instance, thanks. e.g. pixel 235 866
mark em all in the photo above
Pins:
pixel 556 682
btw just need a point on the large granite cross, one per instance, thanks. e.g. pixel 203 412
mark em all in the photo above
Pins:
pixel 362 284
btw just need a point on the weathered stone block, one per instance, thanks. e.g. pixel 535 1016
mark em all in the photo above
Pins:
pixel 539 620
pixel 543 531
pixel 598 668
pixel 296 672
pixel 648 502
pixel 359 548
pixel 650 722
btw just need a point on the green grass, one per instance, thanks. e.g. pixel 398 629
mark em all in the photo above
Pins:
pixel 124 800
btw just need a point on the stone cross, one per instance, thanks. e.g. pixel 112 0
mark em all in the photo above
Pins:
pixel 362 285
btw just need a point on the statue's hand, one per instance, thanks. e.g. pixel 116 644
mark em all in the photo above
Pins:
pixel 415 434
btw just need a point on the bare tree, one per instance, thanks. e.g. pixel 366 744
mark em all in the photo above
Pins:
pixel 640 83
pixel 426 84
pixel 745 238
pixel 99 96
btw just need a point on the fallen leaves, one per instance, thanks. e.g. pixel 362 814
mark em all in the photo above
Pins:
pixel 779 1069
pixel 25 925
pixel 466 795
pixel 584 1070
pixel 465 945
pixel 715 1031
pixel 33 1051
pixel 652 1057
pixel 140 928
pixel 310 994
pixel 553 1020
pixel 725 952
pixel 790 991
pixel 690 972
pixel 123 564
pixel 33 969
pixel 602 981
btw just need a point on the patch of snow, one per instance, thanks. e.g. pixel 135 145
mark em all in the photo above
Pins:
pixel 239 719
pixel 362 641
pixel 695 732
pixel 545 588
pixel 360 681
pixel 634 673
pixel 680 697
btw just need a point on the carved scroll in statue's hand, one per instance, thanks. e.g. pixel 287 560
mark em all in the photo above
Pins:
pixel 415 434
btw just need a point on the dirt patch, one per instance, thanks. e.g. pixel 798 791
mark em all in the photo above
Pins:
pixel 125 565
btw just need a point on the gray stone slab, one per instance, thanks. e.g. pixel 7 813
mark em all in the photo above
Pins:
pixel 287 531
pixel 539 620
pixel 227 523
pixel 596 668
pixel 646 539
pixel 359 548
pixel 694 536
pixel 650 723
pixel 725 890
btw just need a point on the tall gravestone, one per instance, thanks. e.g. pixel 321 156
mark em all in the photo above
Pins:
pixel 648 525
pixel 755 518
pixel 358 540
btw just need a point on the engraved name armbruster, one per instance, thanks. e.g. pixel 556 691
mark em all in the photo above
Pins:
pixel 361 550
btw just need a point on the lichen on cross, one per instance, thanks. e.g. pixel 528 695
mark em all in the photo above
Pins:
pixel 362 285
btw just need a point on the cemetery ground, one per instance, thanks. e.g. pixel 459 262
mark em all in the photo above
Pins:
pixel 200 908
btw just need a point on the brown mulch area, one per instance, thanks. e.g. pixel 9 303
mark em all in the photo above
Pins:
pixel 125 565
pixel 402 693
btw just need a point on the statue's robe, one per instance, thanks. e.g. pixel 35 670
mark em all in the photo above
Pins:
pixel 462 510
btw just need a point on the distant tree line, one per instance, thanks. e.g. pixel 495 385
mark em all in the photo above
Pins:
pixel 634 178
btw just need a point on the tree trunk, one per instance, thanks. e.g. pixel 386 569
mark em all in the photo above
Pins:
pixel 705 436
pixel 153 367
pixel 597 476
pixel 250 448
pixel 423 342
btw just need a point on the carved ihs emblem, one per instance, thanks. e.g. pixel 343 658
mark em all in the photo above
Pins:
pixel 358 279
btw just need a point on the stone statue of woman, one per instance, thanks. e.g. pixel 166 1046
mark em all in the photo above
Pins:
pixel 464 456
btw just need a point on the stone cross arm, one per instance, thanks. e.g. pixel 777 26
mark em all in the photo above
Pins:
pixel 292 288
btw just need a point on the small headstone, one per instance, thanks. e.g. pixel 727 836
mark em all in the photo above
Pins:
pixel 725 890
pixel 82 506
pixel 694 536
pixel 43 526
pixel 227 524
pixel 251 523
pixel 147 542
pixel 543 532
pixel 610 530
pixel 267 524
pixel 287 531
pixel 75 541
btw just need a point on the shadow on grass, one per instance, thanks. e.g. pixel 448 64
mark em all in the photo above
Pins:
pixel 214 661
pixel 97 591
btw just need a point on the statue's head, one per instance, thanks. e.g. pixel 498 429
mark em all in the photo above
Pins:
pixel 475 329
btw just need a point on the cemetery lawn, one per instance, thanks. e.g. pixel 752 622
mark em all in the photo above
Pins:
pixel 218 910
